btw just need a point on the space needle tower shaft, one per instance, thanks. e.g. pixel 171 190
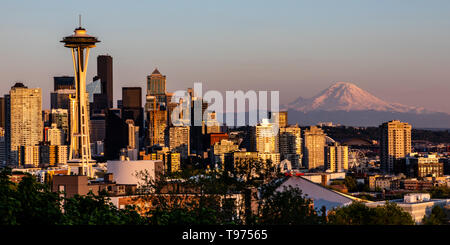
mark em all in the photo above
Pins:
pixel 80 152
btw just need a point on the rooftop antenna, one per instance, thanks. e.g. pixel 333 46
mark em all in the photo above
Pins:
pixel 79 19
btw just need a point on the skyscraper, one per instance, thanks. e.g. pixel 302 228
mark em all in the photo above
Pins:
pixel 98 127
pixel 60 99
pixel 395 143
pixel 156 109
pixel 157 126
pixel 132 106
pixel 64 82
pixel 116 134
pixel 264 138
pixel 313 148
pixel 179 140
pixel 156 86
pixel 336 157
pixel 105 74
pixel 24 119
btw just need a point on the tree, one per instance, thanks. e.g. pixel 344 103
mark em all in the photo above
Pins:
pixel 437 217
pixel 288 207
pixel 358 213
pixel 97 210
pixel 33 203
pixel 350 183
pixel 440 192
pixel 195 197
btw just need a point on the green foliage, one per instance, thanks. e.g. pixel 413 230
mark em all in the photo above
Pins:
pixel 440 192
pixel 359 214
pixel 288 207
pixel 350 183
pixel 373 133
pixel 33 203
pixel 28 203
pixel 437 217
pixel 96 210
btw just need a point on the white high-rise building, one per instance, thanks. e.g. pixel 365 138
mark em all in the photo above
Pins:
pixel 25 118
pixel 265 137
pixel 337 157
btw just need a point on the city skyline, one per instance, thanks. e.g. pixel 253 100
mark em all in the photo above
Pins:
pixel 297 44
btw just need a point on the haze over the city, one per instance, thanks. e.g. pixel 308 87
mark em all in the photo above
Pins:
pixel 398 50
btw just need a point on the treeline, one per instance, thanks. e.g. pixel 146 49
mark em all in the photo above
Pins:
pixel 33 203
pixel 342 133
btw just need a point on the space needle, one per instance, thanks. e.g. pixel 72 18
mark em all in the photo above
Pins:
pixel 80 151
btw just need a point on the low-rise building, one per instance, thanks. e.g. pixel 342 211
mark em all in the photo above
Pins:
pixel 324 178
pixel 418 205
pixel 71 185
pixel 417 185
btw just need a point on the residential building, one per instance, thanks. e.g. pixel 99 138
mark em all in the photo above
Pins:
pixel 313 148
pixel 290 143
pixel 395 143
pixel 336 157
pixel 24 119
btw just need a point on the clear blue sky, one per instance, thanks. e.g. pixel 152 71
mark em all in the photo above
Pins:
pixel 398 50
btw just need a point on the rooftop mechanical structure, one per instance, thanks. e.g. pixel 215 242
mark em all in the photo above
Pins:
pixel 80 152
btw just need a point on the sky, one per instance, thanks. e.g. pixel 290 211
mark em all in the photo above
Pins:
pixel 398 50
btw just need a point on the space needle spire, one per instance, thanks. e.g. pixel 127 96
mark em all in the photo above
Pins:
pixel 80 151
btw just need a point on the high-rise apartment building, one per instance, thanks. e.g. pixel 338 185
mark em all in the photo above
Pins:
pixel 395 143
pixel 336 158
pixel 24 119
pixel 28 155
pixel 265 138
pixel 313 148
